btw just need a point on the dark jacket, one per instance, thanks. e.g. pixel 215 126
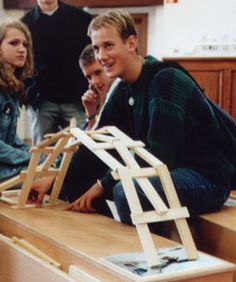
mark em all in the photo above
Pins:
pixel 58 41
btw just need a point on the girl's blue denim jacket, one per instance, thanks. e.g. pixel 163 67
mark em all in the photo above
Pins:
pixel 14 154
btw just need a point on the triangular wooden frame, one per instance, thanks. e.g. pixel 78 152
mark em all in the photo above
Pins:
pixel 99 142
pixel 112 138
pixel 52 146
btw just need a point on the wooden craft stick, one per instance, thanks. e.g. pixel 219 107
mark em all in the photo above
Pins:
pixel 10 183
pixel 143 153
pixel 103 137
pixel 53 138
pixel 60 178
pixel 142 229
pixel 91 144
pixel 181 224
pixel 137 173
pixel 57 150
pixel 28 180
pixel 8 200
pixel 40 173
pixel 10 193
pixel 23 243
pixel 153 216
pixel 233 195
pixel 144 183
pixel 10 196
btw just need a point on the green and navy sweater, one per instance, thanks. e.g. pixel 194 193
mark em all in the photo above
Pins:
pixel 168 112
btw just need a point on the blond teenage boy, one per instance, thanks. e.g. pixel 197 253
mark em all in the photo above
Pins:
pixel 167 111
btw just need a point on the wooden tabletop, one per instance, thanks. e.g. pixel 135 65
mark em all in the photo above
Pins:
pixel 82 239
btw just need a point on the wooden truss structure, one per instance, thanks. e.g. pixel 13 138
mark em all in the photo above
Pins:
pixel 99 142
pixel 112 138
pixel 54 145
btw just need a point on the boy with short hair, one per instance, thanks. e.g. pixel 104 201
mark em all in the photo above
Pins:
pixel 100 86
pixel 166 110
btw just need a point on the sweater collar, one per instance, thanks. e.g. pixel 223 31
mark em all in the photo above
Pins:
pixel 147 72
pixel 37 11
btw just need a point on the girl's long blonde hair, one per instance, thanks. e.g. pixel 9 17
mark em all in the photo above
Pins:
pixel 13 80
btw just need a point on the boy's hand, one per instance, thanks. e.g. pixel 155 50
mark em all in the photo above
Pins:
pixel 39 189
pixel 90 101
pixel 84 203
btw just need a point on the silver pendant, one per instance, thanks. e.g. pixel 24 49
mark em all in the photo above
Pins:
pixel 131 101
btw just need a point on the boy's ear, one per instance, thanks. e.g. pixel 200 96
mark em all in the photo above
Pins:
pixel 132 43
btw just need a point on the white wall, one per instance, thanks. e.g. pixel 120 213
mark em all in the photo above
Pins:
pixel 177 28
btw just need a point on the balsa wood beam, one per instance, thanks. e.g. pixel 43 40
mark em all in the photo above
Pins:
pixel 137 173
pixel 153 216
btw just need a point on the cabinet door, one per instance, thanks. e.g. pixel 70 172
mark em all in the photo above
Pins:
pixel 211 82
pixel 217 76
pixel 232 98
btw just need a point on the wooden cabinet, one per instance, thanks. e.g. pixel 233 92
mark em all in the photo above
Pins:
pixel 217 76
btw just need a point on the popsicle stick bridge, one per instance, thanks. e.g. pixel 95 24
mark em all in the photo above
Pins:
pixel 100 142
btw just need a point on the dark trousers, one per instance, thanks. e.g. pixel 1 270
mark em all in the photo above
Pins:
pixel 198 193
pixel 84 170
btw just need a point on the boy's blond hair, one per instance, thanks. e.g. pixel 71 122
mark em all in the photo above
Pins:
pixel 119 19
